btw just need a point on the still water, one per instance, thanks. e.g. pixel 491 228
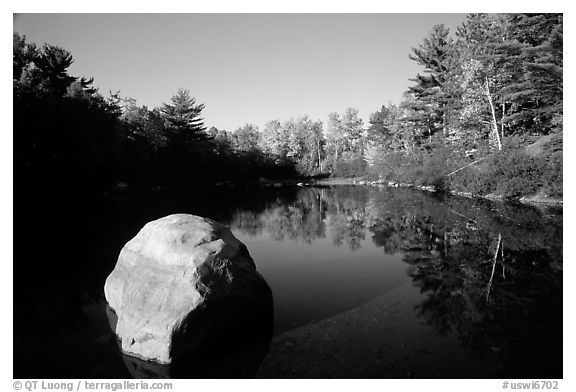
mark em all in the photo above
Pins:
pixel 365 282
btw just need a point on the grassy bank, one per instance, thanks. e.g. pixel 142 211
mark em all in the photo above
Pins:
pixel 525 170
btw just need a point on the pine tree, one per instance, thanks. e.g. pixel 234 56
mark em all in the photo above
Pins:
pixel 53 63
pixel 379 130
pixel 182 119
pixel 430 94
pixel 520 71
pixel 384 129
pixel 487 63
pixel 23 54
pixel 536 94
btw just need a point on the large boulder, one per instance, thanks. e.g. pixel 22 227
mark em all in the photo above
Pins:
pixel 167 274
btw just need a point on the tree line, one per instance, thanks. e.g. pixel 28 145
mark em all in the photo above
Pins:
pixel 69 136
pixel 501 76
pixel 491 88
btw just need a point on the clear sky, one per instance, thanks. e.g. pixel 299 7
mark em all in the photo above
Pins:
pixel 244 67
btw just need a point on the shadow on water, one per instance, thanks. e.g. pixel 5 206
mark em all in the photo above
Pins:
pixel 224 339
pixel 487 274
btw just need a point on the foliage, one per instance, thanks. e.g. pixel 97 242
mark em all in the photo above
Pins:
pixel 69 137
pixel 345 141
pixel 182 121
pixel 246 139
pixel 427 166
pixel 300 141
pixel 492 86
pixel 536 94
pixel 512 173
pixel 553 176
pixel 350 168
pixel 65 133
pixel 496 84
pixel 427 109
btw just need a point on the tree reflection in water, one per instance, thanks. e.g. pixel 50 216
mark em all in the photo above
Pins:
pixel 489 272
pixel 503 301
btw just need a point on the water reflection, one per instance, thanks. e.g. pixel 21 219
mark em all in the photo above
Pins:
pixel 400 219
pixel 489 273
pixel 480 282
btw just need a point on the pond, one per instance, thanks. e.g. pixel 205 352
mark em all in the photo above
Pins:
pixel 366 282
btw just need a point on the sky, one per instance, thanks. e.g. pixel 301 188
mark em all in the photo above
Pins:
pixel 246 68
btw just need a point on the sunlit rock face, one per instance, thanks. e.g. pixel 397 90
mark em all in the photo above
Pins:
pixel 169 271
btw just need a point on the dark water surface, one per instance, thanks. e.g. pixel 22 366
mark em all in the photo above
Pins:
pixel 365 282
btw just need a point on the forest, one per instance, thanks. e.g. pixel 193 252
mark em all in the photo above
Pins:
pixel 484 116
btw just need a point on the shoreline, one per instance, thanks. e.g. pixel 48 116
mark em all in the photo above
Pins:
pixel 529 200
pixel 534 200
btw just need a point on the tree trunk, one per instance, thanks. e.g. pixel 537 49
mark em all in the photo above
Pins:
pixel 494 122
pixel 502 121
pixel 335 157
pixel 470 164
pixel 319 160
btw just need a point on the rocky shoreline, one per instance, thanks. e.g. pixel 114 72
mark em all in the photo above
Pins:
pixel 533 200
